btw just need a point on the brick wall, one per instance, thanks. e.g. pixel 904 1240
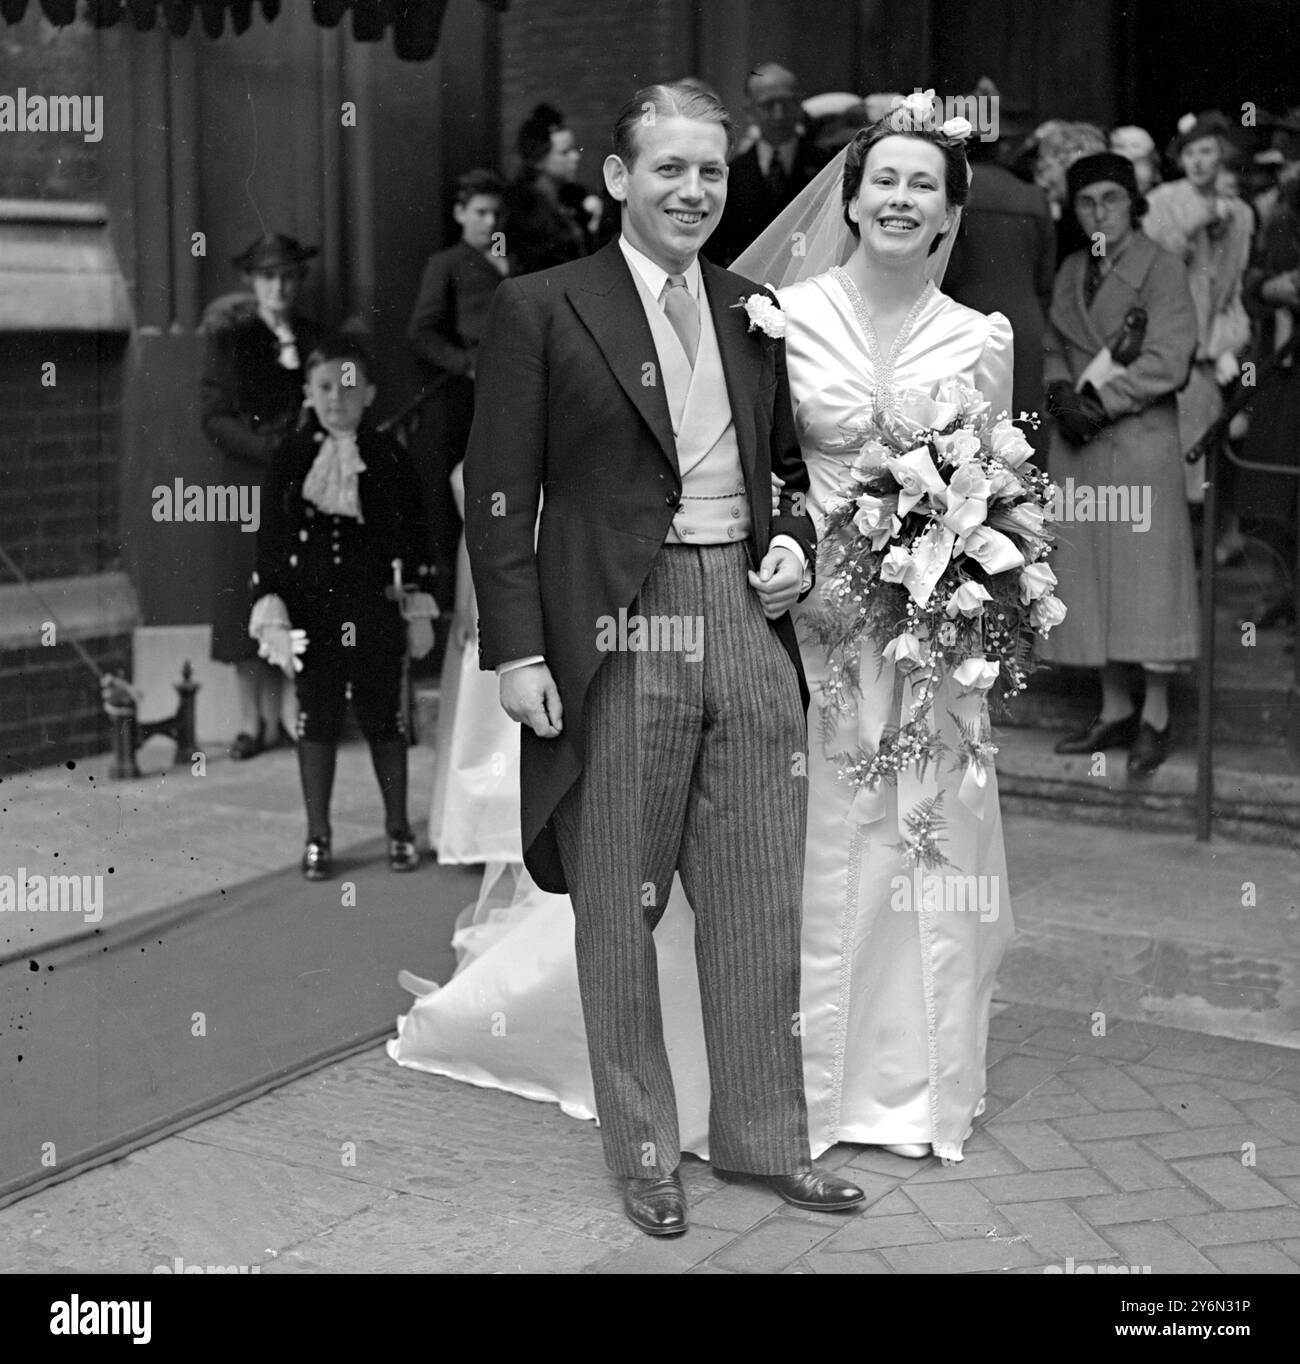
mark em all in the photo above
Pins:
pixel 59 470
pixel 586 60
pixel 50 709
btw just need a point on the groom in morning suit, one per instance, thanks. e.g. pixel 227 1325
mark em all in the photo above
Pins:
pixel 626 394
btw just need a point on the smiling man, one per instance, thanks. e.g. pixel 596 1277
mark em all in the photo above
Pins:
pixel 633 388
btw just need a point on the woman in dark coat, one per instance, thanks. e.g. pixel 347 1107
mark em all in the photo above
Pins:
pixel 547 214
pixel 250 397
pixel 1119 343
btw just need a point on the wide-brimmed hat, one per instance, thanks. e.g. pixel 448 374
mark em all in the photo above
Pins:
pixel 274 251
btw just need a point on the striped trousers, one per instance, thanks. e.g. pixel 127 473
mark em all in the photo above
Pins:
pixel 695 762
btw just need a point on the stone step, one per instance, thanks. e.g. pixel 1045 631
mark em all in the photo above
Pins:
pixel 1256 789
pixel 1250 709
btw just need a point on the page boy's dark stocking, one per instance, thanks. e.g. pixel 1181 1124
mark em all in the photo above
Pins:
pixel 316 768
pixel 389 758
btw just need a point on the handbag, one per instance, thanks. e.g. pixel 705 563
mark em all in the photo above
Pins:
pixel 1132 335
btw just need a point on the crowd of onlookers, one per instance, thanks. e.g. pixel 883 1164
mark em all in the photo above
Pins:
pixel 1222 198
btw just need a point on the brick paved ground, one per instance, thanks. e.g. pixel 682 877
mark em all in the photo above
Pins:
pixel 1146 1146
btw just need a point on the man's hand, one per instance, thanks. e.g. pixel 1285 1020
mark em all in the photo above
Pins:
pixel 777 582
pixel 777 485
pixel 529 695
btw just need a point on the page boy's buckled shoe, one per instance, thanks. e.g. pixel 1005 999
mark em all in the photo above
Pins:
pixel 317 865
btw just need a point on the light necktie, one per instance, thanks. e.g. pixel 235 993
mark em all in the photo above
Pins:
pixel 682 311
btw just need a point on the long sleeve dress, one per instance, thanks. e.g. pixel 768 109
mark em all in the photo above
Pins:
pixel 894 1005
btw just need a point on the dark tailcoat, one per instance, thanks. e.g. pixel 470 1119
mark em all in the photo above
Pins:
pixel 247 403
pixel 569 405
pixel 751 205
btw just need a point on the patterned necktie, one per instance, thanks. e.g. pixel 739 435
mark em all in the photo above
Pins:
pixel 681 310
pixel 1091 280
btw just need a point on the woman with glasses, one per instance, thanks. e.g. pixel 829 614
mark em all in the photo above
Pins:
pixel 1120 338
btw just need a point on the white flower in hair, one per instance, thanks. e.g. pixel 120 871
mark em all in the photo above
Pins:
pixel 1187 123
pixel 918 106
pixel 957 128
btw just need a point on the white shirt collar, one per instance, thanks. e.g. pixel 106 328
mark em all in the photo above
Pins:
pixel 653 275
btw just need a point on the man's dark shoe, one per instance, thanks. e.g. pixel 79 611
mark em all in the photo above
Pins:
pixel 1099 737
pixel 809 1188
pixel 657 1206
pixel 1149 751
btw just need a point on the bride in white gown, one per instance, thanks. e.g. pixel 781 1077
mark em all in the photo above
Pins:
pixel 895 994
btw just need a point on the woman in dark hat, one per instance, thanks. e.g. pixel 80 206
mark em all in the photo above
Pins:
pixel 547 216
pixel 251 393
pixel 1120 338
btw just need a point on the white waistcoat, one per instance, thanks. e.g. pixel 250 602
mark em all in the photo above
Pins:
pixel 713 509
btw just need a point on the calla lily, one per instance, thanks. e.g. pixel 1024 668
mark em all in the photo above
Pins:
pixel 904 648
pixel 968 600
pixel 994 552
pixel 931 554
pixel 1024 517
pixel 916 476
pixel 964 514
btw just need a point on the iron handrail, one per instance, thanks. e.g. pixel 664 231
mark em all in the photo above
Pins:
pixel 1212 446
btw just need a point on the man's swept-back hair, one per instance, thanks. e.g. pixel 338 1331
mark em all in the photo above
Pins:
pixel 673 100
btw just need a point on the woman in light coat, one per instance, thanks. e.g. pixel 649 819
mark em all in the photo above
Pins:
pixel 1119 342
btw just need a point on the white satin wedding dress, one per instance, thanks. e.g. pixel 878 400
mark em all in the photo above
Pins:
pixel 895 995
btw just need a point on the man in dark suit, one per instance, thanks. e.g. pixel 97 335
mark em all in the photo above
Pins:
pixel 641 632
pixel 1005 261
pixel 765 179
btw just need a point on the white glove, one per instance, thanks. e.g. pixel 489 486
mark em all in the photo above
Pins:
pixel 419 610
pixel 1226 369
pixel 277 641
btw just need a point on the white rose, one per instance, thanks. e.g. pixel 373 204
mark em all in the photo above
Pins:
pixel 1009 444
pixel 967 600
pixel 896 566
pixel 1035 581
pixel 975 674
pixel 994 552
pixel 957 448
pixel 1046 613
pixel 956 127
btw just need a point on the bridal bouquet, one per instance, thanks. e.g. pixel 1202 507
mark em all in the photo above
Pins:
pixel 935 551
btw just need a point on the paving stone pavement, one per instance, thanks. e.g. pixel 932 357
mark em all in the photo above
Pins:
pixel 1143 1147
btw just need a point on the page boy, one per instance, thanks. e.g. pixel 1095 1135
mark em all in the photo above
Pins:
pixel 340 503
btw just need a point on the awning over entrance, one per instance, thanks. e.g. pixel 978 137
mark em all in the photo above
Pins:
pixel 414 24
